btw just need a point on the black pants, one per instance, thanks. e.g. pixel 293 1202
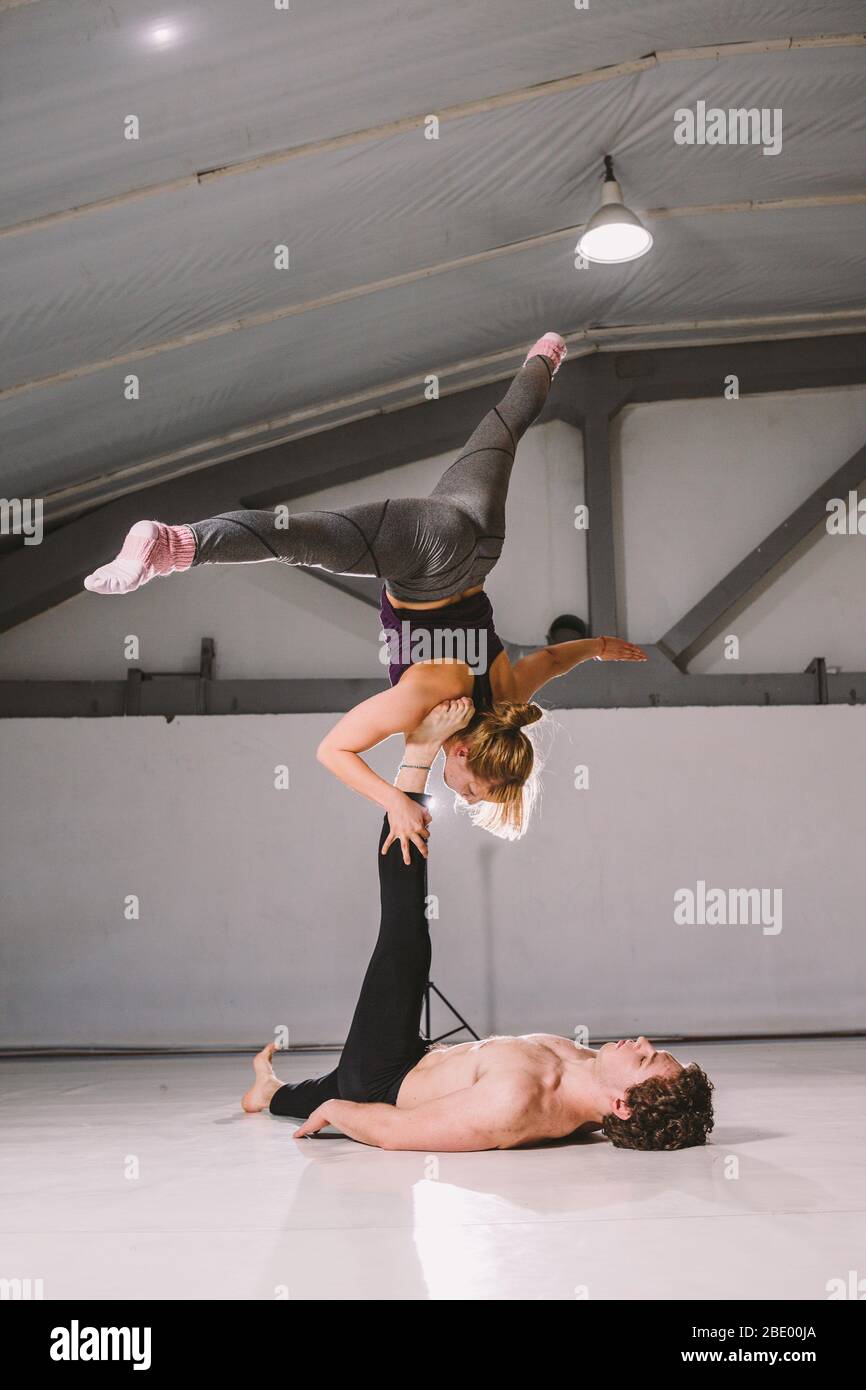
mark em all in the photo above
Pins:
pixel 384 1041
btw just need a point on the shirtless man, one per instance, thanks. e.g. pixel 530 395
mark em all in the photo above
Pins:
pixel 392 1091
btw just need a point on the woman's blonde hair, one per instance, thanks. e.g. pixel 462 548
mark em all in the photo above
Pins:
pixel 504 756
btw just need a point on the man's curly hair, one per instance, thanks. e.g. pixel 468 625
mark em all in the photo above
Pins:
pixel 665 1114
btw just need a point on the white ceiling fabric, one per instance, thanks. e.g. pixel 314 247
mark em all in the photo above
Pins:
pixel 108 292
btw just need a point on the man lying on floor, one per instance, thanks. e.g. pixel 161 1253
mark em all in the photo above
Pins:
pixel 393 1091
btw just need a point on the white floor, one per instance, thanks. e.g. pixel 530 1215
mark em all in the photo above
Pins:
pixel 228 1206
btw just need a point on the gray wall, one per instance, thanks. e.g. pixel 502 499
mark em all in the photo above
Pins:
pixel 258 906
pixel 701 483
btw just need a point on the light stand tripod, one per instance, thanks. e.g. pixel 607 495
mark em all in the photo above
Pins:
pixel 431 988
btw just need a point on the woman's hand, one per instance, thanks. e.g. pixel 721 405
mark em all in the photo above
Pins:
pixel 408 820
pixel 443 720
pixel 614 649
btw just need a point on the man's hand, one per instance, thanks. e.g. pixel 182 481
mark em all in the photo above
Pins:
pixel 614 649
pixel 443 720
pixel 408 821
pixel 318 1120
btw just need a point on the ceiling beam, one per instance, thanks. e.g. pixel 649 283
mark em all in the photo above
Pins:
pixel 460 376
pixel 790 364
pixel 736 586
pixel 266 317
pixel 597 685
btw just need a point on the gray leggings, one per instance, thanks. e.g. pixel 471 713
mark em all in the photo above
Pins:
pixel 423 548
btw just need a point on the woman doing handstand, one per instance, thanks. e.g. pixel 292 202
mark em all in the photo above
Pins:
pixel 433 555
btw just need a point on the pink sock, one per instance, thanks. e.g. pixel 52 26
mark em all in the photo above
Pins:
pixel 552 346
pixel 150 549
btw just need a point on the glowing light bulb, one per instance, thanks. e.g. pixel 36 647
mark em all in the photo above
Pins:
pixel 162 35
pixel 614 233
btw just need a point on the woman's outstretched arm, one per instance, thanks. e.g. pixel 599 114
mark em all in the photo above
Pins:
pixel 535 670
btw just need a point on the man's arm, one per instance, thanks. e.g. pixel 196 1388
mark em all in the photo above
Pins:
pixel 491 1114
pixel 535 670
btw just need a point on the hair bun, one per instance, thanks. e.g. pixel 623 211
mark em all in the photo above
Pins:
pixel 516 716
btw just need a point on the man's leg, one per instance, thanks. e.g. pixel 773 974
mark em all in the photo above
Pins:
pixel 384 1041
pixel 301 1098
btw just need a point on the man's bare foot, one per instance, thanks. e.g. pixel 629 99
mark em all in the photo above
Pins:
pixel 258 1097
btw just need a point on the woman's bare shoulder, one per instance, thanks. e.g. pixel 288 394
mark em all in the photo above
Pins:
pixel 444 679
